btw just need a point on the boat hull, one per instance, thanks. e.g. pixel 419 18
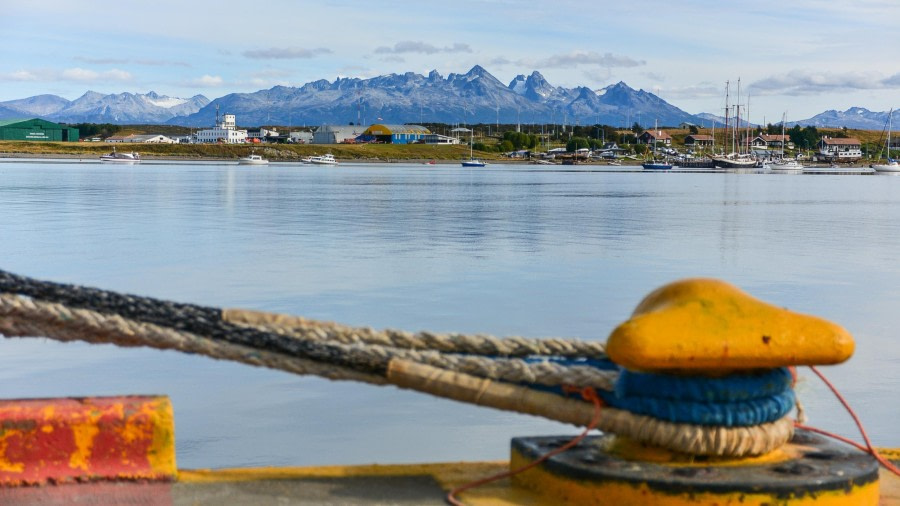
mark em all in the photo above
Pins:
pixel 657 166
pixel 473 163
pixel 890 167
pixel 725 163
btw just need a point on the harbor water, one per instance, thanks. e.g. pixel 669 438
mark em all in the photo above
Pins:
pixel 506 250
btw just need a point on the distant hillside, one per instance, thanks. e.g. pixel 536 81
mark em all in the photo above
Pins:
pixel 93 107
pixel 854 117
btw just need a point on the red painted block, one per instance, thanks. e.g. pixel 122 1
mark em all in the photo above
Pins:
pixel 84 439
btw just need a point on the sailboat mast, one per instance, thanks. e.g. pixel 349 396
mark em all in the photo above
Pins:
pixel 725 137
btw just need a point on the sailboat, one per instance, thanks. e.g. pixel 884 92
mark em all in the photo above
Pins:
pixel 891 165
pixel 781 164
pixel 735 159
pixel 472 161
pixel 656 164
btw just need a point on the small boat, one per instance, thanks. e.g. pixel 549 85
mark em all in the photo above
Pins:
pixel 429 162
pixel 116 157
pixel 656 165
pixel 472 161
pixel 326 159
pixel 785 165
pixel 253 159
pixel 890 165
pixel 782 164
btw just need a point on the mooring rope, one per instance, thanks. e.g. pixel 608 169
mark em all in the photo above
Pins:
pixel 497 372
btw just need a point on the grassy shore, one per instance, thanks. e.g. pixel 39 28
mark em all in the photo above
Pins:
pixel 274 152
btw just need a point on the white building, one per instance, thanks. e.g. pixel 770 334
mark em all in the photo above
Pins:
pixel 330 134
pixel 152 139
pixel 224 131
pixel 261 134
pixel 301 137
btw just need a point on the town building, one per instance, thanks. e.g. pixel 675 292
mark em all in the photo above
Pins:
pixel 301 137
pixel 153 139
pixel 36 130
pixel 225 131
pixel 332 134
pixel 655 137
pixel 772 141
pixel 439 139
pixel 839 149
pixel 698 141
pixel 395 134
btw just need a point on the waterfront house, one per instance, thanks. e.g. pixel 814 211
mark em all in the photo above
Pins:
pixel 772 141
pixel 839 149
pixel 658 137
pixel 698 141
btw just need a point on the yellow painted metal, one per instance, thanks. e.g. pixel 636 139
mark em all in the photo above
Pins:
pixel 571 491
pixel 628 449
pixel 707 326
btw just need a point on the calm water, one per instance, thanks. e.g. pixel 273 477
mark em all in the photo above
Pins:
pixel 504 250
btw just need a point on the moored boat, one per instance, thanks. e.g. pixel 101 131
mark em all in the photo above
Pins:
pixel 253 159
pixel 890 165
pixel 326 159
pixel 116 157
pixel 656 165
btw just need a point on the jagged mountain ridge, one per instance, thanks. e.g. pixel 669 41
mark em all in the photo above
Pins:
pixel 854 117
pixel 473 97
pixel 93 107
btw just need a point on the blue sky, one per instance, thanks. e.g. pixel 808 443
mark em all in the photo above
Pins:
pixel 802 56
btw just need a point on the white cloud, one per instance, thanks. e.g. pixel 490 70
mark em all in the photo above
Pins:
pixel 207 81
pixel 410 46
pixel 289 53
pixel 22 75
pixel 575 58
pixel 802 82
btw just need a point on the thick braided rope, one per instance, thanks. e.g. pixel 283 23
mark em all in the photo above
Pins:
pixel 679 437
pixel 79 321
pixel 22 316
pixel 212 322
pixel 480 344
pixel 29 317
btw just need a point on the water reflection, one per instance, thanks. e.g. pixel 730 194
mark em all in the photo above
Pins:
pixel 505 250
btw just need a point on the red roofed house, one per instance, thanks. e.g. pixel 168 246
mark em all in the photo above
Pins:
pixel 657 136
pixel 698 141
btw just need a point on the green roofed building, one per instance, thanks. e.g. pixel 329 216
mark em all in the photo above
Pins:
pixel 36 130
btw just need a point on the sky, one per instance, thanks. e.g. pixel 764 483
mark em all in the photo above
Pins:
pixel 798 57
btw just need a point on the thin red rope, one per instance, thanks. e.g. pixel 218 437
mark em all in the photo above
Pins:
pixel 589 394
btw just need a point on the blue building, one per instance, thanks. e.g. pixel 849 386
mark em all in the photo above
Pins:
pixel 394 134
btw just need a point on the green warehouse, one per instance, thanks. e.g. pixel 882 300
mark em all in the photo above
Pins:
pixel 36 130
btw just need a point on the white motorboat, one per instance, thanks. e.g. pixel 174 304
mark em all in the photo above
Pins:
pixel 253 160
pixel 116 157
pixel 326 159
pixel 785 165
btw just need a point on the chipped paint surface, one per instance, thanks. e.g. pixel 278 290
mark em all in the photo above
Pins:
pixel 86 438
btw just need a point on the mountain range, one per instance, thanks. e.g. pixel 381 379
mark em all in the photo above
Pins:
pixel 470 98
